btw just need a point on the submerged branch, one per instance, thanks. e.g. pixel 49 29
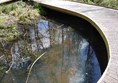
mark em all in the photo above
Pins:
pixel 33 65
pixel 11 62
pixel 1 56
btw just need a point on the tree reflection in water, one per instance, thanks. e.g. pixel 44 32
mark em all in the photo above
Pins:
pixel 69 58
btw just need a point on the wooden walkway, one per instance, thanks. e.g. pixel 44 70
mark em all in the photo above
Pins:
pixel 104 20
pixel 3 1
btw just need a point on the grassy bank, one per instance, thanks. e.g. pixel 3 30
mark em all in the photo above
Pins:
pixel 14 18
pixel 13 14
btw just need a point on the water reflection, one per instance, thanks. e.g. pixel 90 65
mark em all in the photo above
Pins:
pixel 69 57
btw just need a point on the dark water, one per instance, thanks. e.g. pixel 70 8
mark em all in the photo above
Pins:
pixel 69 57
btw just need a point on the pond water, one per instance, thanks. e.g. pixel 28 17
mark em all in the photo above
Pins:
pixel 69 58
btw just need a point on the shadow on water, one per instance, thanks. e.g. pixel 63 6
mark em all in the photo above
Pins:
pixel 71 48
pixel 87 31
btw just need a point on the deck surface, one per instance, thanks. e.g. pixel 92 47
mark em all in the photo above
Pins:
pixel 105 20
pixel 3 1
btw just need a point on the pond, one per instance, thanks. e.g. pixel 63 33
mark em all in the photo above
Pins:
pixel 69 57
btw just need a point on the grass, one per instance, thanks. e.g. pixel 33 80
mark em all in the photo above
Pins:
pixel 16 13
pixel 22 12
pixel 104 3
pixel 109 3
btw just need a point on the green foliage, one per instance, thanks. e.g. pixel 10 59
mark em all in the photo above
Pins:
pixel 27 15
pixel 7 8
pixel 22 12
pixel 17 13
pixel 2 20
pixel 39 8
pixel 8 33
pixel 7 29
pixel 109 3
pixel 105 3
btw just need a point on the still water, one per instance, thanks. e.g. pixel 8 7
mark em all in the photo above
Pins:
pixel 69 57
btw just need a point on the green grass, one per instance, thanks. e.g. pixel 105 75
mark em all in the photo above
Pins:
pixel 104 3
pixel 109 3
pixel 22 12
pixel 17 13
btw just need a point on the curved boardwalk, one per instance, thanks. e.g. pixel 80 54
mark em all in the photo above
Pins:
pixel 104 20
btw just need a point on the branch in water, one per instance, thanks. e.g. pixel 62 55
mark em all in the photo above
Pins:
pixel 12 61
pixel 1 56
pixel 33 65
